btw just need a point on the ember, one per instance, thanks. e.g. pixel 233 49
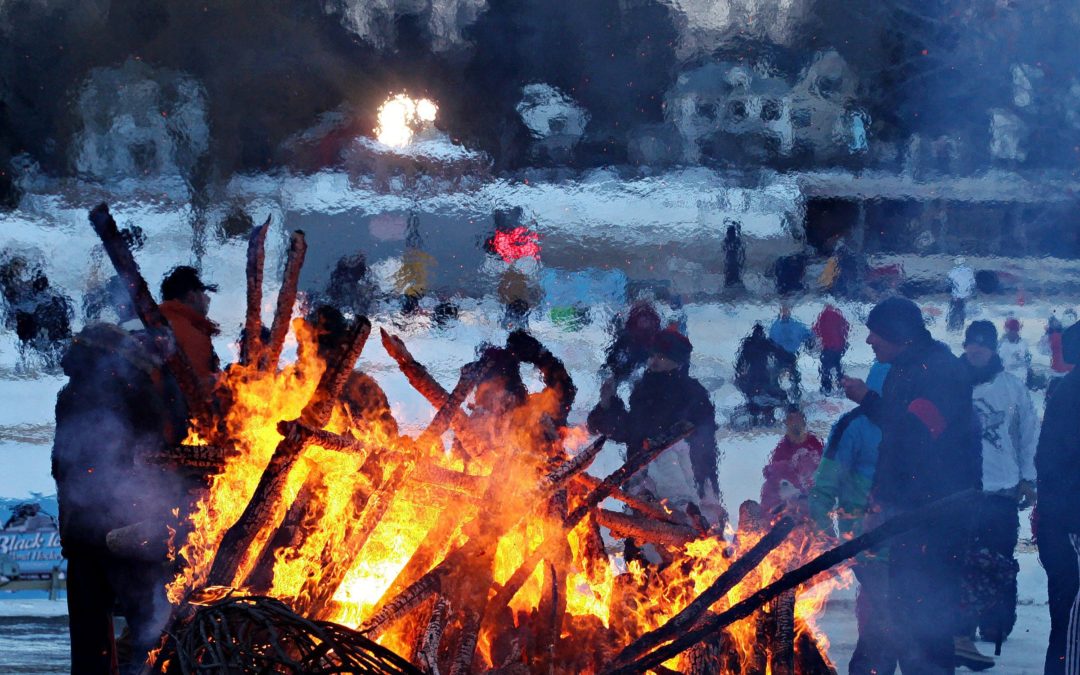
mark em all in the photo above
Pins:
pixel 351 525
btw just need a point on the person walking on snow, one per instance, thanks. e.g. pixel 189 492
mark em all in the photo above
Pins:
pixel 1014 352
pixel 756 369
pixel 841 486
pixel 961 287
pixel 831 330
pixel 789 475
pixel 1057 521
pixel 734 257
pixel 1009 428
pixel 790 334
pixel 928 451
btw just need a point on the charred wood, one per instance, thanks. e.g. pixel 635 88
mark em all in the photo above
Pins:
pixel 294 261
pixel 256 257
pixel 645 529
pixel 947 507
pixel 191 386
pixel 727 580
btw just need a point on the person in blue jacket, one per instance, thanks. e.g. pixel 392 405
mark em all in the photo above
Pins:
pixel 790 334
pixel 842 486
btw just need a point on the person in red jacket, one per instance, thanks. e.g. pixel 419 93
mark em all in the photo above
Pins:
pixel 789 475
pixel 831 329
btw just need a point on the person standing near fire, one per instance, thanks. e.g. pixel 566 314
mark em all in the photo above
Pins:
pixel 687 473
pixel 1056 523
pixel 186 305
pixel 791 335
pixel 1009 429
pixel 841 487
pixel 928 451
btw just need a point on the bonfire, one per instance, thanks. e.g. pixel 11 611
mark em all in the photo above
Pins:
pixel 323 545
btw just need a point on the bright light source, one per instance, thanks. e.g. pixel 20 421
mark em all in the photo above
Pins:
pixel 400 117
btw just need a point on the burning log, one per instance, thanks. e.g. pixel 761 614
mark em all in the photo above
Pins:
pixel 470 634
pixel 306 508
pixel 427 652
pixel 414 371
pixel 619 477
pixel 209 457
pixel 645 529
pixel 649 509
pixel 691 614
pixel 191 386
pixel 286 299
pixel 782 655
pixel 256 256
pixel 576 465
pixel 236 547
pixel 146 540
pixel 897 525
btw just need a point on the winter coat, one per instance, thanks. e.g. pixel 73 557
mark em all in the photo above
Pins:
pixel 1057 458
pixel 929 447
pixel 831 328
pixel 1015 357
pixel 791 334
pixel 194 334
pixel 846 472
pixel 757 366
pixel 1010 428
pixel 117 407
pixel 790 471
pixel 659 402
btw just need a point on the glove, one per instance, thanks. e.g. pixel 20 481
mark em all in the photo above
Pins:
pixel 523 346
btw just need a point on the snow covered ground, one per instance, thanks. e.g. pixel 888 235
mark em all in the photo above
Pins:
pixel 55 231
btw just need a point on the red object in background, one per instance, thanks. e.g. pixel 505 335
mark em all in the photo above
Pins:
pixel 517 243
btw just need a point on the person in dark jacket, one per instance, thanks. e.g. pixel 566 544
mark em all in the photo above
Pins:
pixel 115 409
pixel 1057 468
pixel 757 369
pixel 666 395
pixel 633 342
pixel 928 451
pixel 734 257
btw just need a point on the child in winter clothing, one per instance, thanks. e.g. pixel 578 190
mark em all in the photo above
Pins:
pixel 1014 352
pixel 789 475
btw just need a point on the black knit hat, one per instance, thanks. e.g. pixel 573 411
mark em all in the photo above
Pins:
pixel 981 333
pixel 180 281
pixel 1070 344
pixel 898 320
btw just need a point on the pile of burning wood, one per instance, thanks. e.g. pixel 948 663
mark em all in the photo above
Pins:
pixel 474 547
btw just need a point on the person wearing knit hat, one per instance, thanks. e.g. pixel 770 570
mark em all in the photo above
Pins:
pixel 928 451
pixel 1009 427
pixel 1057 525
pixel 685 475
pixel 1014 352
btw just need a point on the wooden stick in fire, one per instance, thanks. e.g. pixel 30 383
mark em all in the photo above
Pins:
pixel 306 508
pixel 236 547
pixel 256 257
pixel 645 529
pixel 945 507
pixel 727 580
pixel 294 261
pixel 368 517
pixel 191 386
pixel 550 546
pixel 427 653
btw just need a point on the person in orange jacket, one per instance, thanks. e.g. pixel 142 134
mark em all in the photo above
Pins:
pixel 186 305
